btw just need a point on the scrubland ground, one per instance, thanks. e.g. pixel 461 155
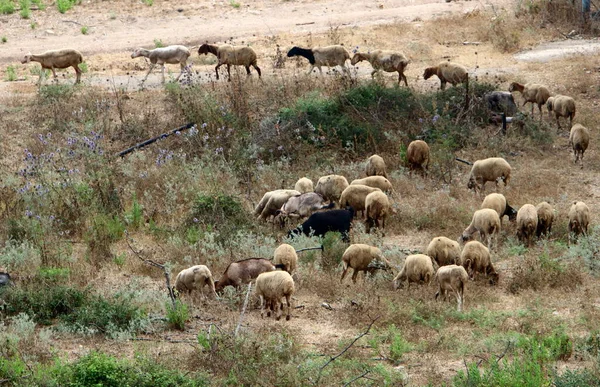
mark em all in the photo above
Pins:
pixel 78 220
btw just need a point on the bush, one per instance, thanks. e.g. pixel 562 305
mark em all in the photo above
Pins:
pixel 333 250
pixel 177 315
pixel 538 272
pixel 65 5
pixel 7 7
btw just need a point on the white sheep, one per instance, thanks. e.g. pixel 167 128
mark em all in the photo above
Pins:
pixel 527 220
pixel 195 278
pixel 545 214
pixel 358 257
pixel 448 72
pixel 272 201
pixel 271 287
pixel 444 251
pixel 487 222
pixel 561 106
pixel 532 92
pixel 377 207
pixel 170 54
pixel 304 185
pixel 490 169
pixel 375 166
pixel 476 258
pixel 331 187
pixel 330 56
pixel 579 220
pixel 452 278
pixel 497 202
pixel 56 59
pixel 231 56
pixel 286 255
pixel 417 155
pixel 417 268
pixel 579 139
pixel 355 196
pixel 376 182
pixel 389 61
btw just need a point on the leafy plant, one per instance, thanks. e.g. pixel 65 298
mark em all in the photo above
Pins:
pixel 25 9
pixel 177 315
pixel 11 73
pixel 235 4
pixel 7 7
pixel 158 43
pixel 65 5
pixel 85 30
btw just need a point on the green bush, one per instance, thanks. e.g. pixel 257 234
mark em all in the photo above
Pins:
pixel 333 249
pixel 25 11
pixel 7 7
pixel 177 315
pixel 65 5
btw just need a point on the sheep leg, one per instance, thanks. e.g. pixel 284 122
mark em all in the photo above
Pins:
pixel 149 71
pixel 229 72
pixel 354 275
pixel 163 73
pixel 257 70
pixel 247 70
pixel 182 66
pixel 262 306
pixel 310 70
pixel 42 75
pixel 279 306
pixel 289 307
pixel 344 273
pixel 403 77
pixel 78 73
pixel 443 85
pixel 217 70
pixel 54 73
pixel 373 73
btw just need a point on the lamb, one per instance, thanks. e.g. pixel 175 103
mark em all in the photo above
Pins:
pixel 331 187
pixel 358 257
pixel 444 251
pixel 195 278
pixel 562 106
pixel 417 155
pixel 271 287
pixel 56 59
pixel 231 56
pixel 330 56
pixel 242 272
pixel 476 258
pixel 579 140
pixel 273 201
pixel 527 220
pixel 320 223
pixel 388 61
pixel 497 201
pixel 300 206
pixel 448 72
pixel 375 166
pixel 377 207
pixel 286 256
pixel 452 278
pixel 355 195
pixel 485 221
pixel 376 182
pixel 501 102
pixel 579 219
pixel 304 185
pixel 545 214
pixel 162 55
pixel 531 92
pixel 491 169
pixel 417 268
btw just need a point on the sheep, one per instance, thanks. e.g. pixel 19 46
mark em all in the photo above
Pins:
pixel 388 61
pixel 286 255
pixel 527 220
pixel 162 55
pixel 320 223
pixel 545 214
pixel 376 182
pixel 448 72
pixel 271 287
pixel 56 59
pixel 272 201
pixel 417 268
pixel 231 56
pixel 242 272
pixel 579 139
pixel 195 278
pixel 476 258
pixel 491 169
pixel 417 155
pixel 355 195
pixel 579 219
pixel 300 206
pixel 501 102
pixel 358 257
pixel 304 185
pixel 331 187
pixel 452 278
pixel 487 222
pixel 330 56
pixel 497 201
pixel 377 207
pixel 443 251
pixel 531 92
pixel 375 166
pixel 561 106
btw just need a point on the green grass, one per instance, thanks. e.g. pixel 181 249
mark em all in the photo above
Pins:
pixel 65 5
pixel 11 73
pixel 25 9
pixel 7 7
pixel 85 30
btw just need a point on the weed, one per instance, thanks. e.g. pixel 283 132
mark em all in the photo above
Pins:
pixel 7 7
pixel 4 39
pixel 333 249
pixel 40 4
pixel 235 4
pixel 158 43
pixel 85 30
pixel 65 5
pixel 177 314
pixel 11 73
pixel 33 25
pixel 83 67
pixel 149 3
pixel 25 9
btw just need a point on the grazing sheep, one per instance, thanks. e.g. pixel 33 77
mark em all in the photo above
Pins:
pixel 497 201
pixel 579 219
pixel 562 106
pixel 331 187
pixel 195 278
pixel 532 92
pixel 320 223
pixel 304 185
pixel 56 59
pixel 272 201
pixel 376 182
pixel 491 169
pixel 330 56
pixel 527 220
pixel 300 206
pixel 286 255
pixel 358 257
pixel 375 166
pixel 388 61
pixel 231 56
pixel 242 272
pixel 501 102
pixel 545 214
pixel 271 287
pixel 579 140
pixel 417 268
pixel 452 278
pixel 377 207
pixel 355 195
pixel 485 221
pixel 162 55
pixel 444 251
pixel 448 72
pixel 476 258
pixel 417 155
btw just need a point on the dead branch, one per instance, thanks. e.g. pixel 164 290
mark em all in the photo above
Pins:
pixel 243 310
pixel 356 378
pixel 154 139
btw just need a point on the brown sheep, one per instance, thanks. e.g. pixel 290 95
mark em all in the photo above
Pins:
pixel 448 72
pixel 452 278
pixel 527 220
pixel 490 169
pixel 389 61
pixel 377 207
pixel 497 202
pixel 56 59
pixel 476 258
pixel 286 255
pixel 355 197
pixel 545 214
pixel 444 251
pixel 231 56
pixel 376 182
pixel 417 268
pixel 417 155
pixel 579 219
pixel 485 221
pixel 531 92
pixel 242 272
pixel 271 287
pixel 331 187
pixel 579 140
pixel 358 257
pixel 562 106
pixel 375 166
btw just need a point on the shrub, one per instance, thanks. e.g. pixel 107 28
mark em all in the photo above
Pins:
pixel 20 257
pixel 65 5
pixel 333 249
pixel 11 74
pixel 25 11
pixel 177 314
pixel 538 272
pixel 7 7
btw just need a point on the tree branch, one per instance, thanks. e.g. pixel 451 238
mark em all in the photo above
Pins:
pixel 243 310
pixel 356 378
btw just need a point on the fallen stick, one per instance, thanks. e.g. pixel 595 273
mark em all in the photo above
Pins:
pixel 154 139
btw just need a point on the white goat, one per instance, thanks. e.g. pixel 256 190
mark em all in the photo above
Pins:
pixel 162 55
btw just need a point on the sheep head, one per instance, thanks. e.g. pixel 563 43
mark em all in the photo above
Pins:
pixel 26 58
pixel 357 58
pixel 429 72
pixel 204 49
pixel 136 53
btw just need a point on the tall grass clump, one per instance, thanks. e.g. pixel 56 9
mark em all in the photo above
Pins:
pixel 65 5
pixel 25 9
pixel 7 7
